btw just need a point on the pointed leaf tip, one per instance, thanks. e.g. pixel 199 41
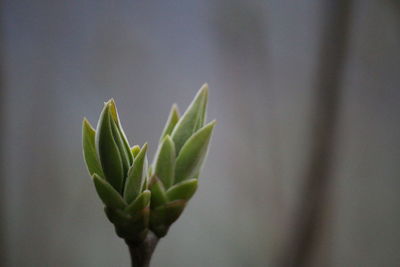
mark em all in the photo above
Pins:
pixel 135 150
pixel 204 89
pixel 175 109
pixel 192 120
pixel 172 120
pixel 144 148
pixel 113 109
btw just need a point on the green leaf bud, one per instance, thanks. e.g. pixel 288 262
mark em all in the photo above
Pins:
pixel 184 190
pixel 164 166
pixel 141 202
pixel 191 157
pixel 136 176
pixel 173 118
pixel 89 149
pixel 108 151
pixel 191 120
pixel 109 196
pixel 135 150
pixel 158 194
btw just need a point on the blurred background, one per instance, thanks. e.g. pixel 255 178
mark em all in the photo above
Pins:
pixel 303 168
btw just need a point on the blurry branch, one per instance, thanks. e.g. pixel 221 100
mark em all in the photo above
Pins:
pixel 330 71
pixel 2 122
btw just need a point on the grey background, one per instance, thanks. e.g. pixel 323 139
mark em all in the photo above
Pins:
pixel 62 59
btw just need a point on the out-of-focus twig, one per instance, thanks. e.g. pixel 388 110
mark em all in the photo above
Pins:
pixel 330 69
pixel 2 183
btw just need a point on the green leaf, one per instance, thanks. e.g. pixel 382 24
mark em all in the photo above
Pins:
pixel 158 195
pixel 108 152
pixel 142 201
pixel 89 149
pixel 120 144
pixel 135 150
pixel 184 190
pixel 165 162
pixel 145 175
pixel 136 174
pixel 203 111
pixel 173 118
pixel 191 157
pixel 150 171
pixel 114 114
pixel 110 197
pixel 191 120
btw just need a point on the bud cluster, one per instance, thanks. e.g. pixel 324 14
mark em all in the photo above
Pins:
pixel 139 198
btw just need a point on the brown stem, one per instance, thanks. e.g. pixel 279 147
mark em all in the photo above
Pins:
pixel 141 253
pixel 310 218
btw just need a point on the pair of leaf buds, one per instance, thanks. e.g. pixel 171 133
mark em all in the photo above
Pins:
pixel 138 197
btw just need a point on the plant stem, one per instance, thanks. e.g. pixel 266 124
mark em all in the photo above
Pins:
pixel 311 218
pixel 141 253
